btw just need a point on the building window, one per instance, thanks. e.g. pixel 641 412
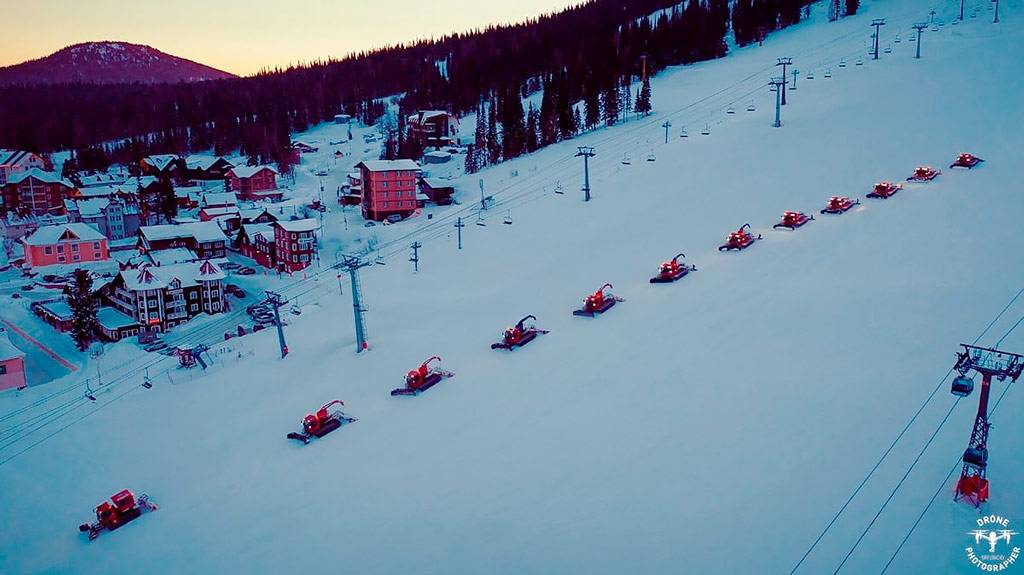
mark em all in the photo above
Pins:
pixel 76 257
pixel 95 245
pixel 60 249
pixel 3 370
pixel 61 259
pixel 294 259
pixel 304 258
pixel 48 250
pixel 96 255
pixel 195 307
pixel 74 247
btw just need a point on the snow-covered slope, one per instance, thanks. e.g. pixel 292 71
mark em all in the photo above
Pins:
pixel 713 426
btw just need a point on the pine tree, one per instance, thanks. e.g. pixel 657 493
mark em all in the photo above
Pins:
pixel 83 306
pixel 493 142
pixel 577 121
pixel 480 138
pixel 643 99
pixel 592 101
pixel 626 101
pixel 532 129
pixel 470 166
pixel 166 200
pixel 852 6
pixel 610 101
pixel 513 125
pixel 548 115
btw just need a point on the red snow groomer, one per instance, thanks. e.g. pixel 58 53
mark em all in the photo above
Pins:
pixel 739 240
pixel 422 378
pixel 793 220
pixel 598 302
pixel 122 508
pixel 884 190
pixel 672 270
pixel 325 420
pixel 923 174
pixel 519 335
pixel 966 161
pixel 839 205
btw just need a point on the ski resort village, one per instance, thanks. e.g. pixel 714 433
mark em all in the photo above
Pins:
pixel 620 287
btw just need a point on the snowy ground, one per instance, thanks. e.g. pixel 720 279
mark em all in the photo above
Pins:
pixel 713 426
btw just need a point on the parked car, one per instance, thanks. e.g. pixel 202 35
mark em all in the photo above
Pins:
pixel 156 346
pixel 234 290
pixel 393 219
pixel 369 224
pixel 246 271
pixel 28 287
pixel 16 295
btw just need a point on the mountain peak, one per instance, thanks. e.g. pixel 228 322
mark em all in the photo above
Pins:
pixel 109 62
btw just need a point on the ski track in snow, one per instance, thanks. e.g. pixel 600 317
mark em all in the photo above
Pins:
pixel 713 425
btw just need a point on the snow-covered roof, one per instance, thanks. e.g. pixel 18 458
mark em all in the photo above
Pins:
pixel 101 180
pixel 58 308
pixel 112 319
pixel 306 225
pixel 250 214
pixel 200 231
pixel 7 349
pixel 437 184
pixel 48 235
pixel 250 171
pixel 87 208
pixel 265 230
pixel 202 162
pixel 41 175
pixel 219 199
pixel 388 165
pixel 149 276
pixel 171 256
pixel 427 115
pixel 439 154
pixel 9 157
pixel 226 211
pixel 160 161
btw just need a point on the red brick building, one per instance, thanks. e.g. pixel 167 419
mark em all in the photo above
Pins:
pixel 64 244
pixel 254 183
pixel 256 241
pixel 295 244
pixel 389 187
pixel 35 192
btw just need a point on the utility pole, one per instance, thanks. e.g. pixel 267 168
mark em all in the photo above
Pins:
pixel 352 265
pixel 784 62
pixel 961 10
pixel 275 300
pixel 973 484
pixel 666 125
pixel 995 19
pixel 587 152
pixel 877 23
pixel 920 26
pixel 777 85
pixel 415 259
pixel 458 226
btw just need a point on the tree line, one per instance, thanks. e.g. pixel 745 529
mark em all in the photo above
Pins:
pixel 585 60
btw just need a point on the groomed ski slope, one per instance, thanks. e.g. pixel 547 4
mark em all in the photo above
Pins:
pixel 714 425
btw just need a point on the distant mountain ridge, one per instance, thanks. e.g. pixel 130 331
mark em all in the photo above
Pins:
pixel 109 63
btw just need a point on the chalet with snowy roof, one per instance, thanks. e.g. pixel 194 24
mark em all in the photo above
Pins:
pixel 295 244
pixel 253 183
pixel 163 165
pixel 158 298
pixel 64 244
pixel 434 127
pixel 389 187
pixel 14 227
pixel 200 167
pixel 256 242
pixel 303 147
pixel 100 179
pixel 16 161
pixel 115 217
pixel 12 364
pixel 256 216
pixel 35 191
pixel 206 239
pixel 438 191
pixel 218 200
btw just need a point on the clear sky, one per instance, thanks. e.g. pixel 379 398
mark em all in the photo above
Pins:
pixel 242 36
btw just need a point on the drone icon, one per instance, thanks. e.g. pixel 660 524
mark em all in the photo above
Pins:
pixel 992 537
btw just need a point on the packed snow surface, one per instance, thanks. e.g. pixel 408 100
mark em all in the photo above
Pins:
pixel 713 425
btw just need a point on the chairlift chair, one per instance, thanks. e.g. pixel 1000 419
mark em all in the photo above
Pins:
pixel 650 156
pixel 625 159
pixel 558 188
pixel 730 109
pixel 751 107
pixel 888 49
pixel 962 386
pixel 859 62
pixel 508 218
pixel 810 75
pixel 480 220
pixel 828 73
pixel 706 131
pixel 842 63
pixel 683 134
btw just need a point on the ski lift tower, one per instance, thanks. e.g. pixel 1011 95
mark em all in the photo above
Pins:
pixel 351 264
pixel 990 363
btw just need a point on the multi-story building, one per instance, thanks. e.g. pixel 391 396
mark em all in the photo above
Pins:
pixel 434 127
pixel 35 192
pixel 116 217
pixel 389 187
pixel 200 167
pixel 163 165
pixel 12 364
pixel 64 244
pixel 256 241
pixel 252 183
pixel 16 161
pixel 295 244
pixel 204 238
pixel 158 298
